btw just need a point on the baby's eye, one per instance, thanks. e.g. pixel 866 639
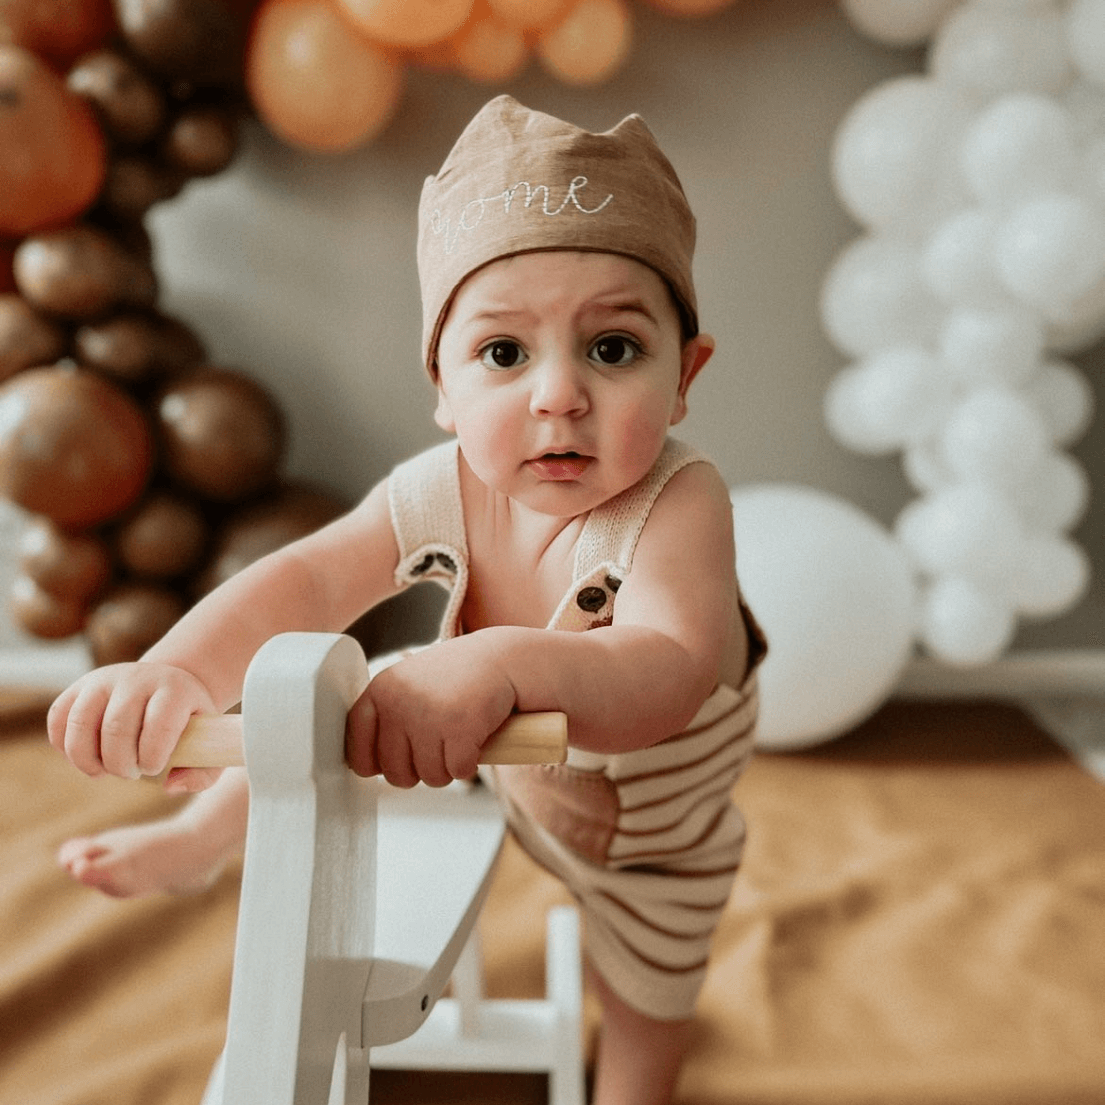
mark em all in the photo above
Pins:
pixel 502 354
pixel 613 349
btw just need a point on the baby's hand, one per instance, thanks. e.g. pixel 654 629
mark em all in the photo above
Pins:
pixel 427 717
pixel 125 719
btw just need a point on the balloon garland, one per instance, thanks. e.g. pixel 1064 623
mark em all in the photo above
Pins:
pixel 980 188
pixel 979 185
pixel 149 474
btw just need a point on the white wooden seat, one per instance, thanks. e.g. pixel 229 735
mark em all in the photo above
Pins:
pixel 357 903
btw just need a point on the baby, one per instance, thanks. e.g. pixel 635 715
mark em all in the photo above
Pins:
pixel 590 564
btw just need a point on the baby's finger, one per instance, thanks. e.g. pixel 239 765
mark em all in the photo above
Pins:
pixel 396 757
pixel 360 738
pixel 429 763
pixel 188 780
pixel 57 717
pixel 119 734
pixel 163 721
pixel 80 738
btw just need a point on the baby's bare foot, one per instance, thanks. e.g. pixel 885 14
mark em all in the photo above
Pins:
pixel 168 856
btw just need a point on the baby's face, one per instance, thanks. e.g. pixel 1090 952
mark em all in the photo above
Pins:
pixel 561 372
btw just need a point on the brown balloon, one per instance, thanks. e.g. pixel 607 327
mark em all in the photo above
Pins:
pixel 131 107
pixel 135 182
pixel 42 613
pixel 290 513
pixel 163 538
pixel 222 434
pixel 27 337
pixel 129 619
pixel 81 272
pixel 137 346
pixel 72 446
pixel 200 41
pixel 202 140
pixel 67 565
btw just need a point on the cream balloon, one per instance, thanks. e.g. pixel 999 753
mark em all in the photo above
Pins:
pixel 835 595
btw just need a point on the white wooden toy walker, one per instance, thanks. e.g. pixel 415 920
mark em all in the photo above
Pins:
pixel 359 902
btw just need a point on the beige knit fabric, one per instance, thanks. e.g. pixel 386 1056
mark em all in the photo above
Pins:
pixel 519 181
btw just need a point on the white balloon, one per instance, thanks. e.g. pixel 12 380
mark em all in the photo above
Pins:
pixel 1095 164
pixel 968 530
pixel 994 435
pixel 888 400
pixel 1086 38
pixel 893 157
pixel 925 468
pixel 835 595
pixel 1079 323
pixel 1051 250
pixel 1053 575
pixel 1084 104
pixel 1000 345
pixel 988 50
pixel 957 262
pixel 873 296
pixel 897 22
pixel 1063 396
pixel 1020 145
pixel 965 624
pixel 1054 495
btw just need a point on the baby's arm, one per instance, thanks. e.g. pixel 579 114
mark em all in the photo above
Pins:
pixel 126 719
pixel 624 686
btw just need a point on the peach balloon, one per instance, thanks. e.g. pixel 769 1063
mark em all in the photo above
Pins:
pixel 527 14
pixel 315 82
pixel 589 44
pixel 490 50
pixel 407 23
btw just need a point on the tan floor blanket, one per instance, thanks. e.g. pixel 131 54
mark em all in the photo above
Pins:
pixel 920 918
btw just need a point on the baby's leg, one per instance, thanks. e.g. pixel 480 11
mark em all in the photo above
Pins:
pixel 181 854
pixel 638 1057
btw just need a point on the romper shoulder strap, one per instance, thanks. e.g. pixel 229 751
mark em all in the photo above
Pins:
pixel 611 533
pixel 604 552
pixel 428 520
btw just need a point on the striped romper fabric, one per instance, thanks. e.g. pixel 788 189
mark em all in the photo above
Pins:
pixel 649 841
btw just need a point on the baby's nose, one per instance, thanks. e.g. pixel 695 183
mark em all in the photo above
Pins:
pixel 558 389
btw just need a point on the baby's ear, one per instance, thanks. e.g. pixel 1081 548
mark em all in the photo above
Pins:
pixel 696 353
pixel 443 414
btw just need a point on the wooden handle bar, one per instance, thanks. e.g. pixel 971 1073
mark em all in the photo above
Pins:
pixel 539 738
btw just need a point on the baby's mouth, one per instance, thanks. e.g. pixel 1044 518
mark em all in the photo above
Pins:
pixel 565 466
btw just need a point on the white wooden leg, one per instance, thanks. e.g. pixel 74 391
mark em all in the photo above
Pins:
pixel 564 991
pixel 307 914
pixel 539 1035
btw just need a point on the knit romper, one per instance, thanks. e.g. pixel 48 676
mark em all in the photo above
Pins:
pixel 648 841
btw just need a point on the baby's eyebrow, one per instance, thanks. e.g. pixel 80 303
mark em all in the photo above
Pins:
pixel 627 306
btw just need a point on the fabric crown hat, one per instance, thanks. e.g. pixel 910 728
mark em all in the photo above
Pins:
pixel 520 181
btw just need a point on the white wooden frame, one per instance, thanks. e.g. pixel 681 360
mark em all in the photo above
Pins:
pixel 357 903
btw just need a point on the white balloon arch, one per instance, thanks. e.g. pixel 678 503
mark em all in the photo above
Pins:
pixel 980 187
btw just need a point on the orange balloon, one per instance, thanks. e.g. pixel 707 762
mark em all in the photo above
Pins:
pixel 315 82
pixel 52 156
pixel 528 14
pixel 589 44
pixel 407 22
pixel 690 7
pixel 59 31
pixel 437 57
pixel 490 50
